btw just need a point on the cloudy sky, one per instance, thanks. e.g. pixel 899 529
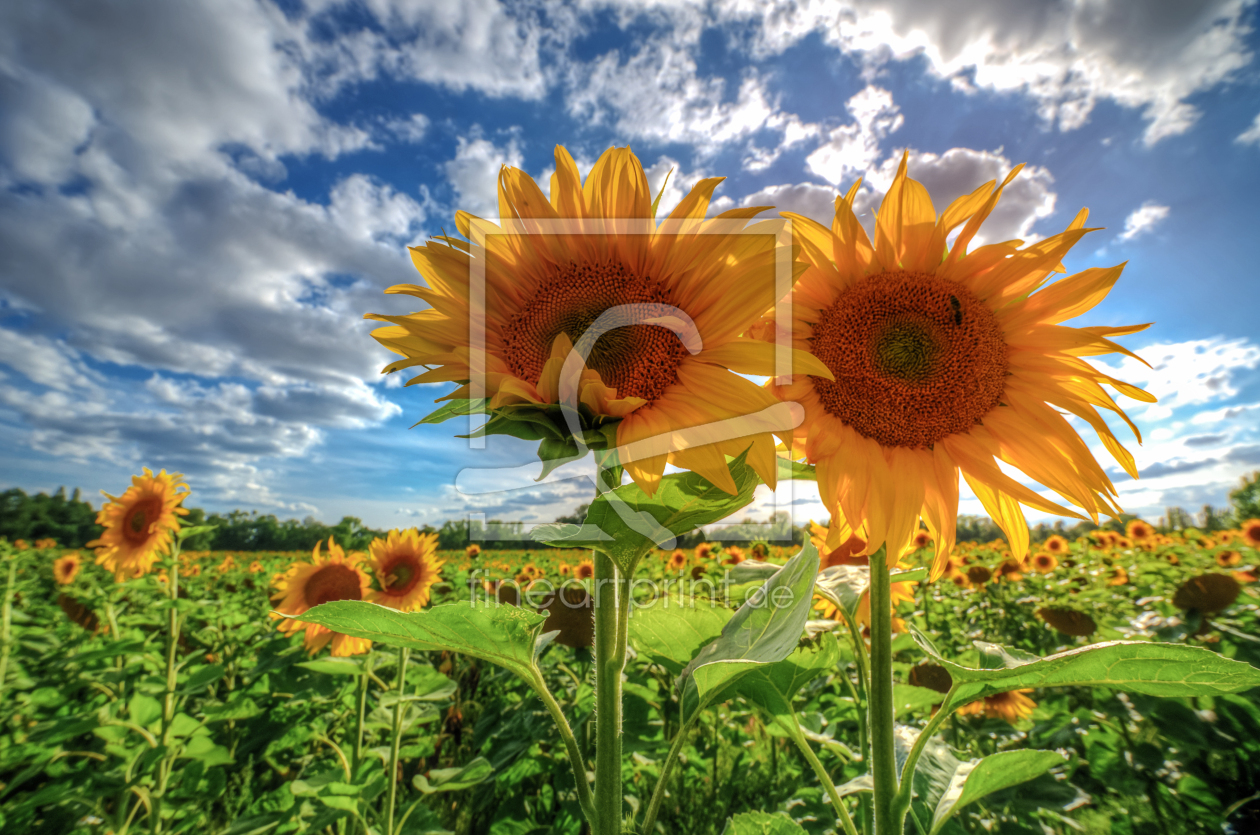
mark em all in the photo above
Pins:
pixel 199 200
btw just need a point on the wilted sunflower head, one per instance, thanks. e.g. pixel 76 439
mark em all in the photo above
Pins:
pixel 946 360
pixel 978 575
pixel 569 610
pixel 1207 593
pixel 932 676
pixel 140 524
pixel 324 579
pixel 406 565
pixel 652 315
pixel 1068 621
pixel 66 568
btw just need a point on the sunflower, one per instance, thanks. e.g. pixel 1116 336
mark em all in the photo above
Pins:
pixel 45 544
pixel 1138 530
pixel 978 575
pixel 734 555
pixel 585 570
pixel 472 551
pixel 23 545
pixel 66 568
pixel 255 567
pixel 839 544
pixel 1068 621
pixel 921 539
pixel 407 566
pixel 1251 532
pixel 564 569
pixel 139 524
pixel 1011 706
pixel 1225 559
pixel 305 585
pixel 703 551
pixel 1117 577
pixel 945 360
pixel 557 265
pixel 678 559
pixel 900 591
pixel 1207 593
pixel 1055 545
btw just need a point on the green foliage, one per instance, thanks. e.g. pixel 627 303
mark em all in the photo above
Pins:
pixel 1245 500
pixel 71 522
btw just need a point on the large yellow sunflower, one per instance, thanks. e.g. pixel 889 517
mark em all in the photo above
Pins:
pixel 407 566
pixel 944 360
pixel 139 524
pixel 556 265
pixel 304 585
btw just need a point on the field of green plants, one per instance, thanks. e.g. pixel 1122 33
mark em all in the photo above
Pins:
pixel 267 738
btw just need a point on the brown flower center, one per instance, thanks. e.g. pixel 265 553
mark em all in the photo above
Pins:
pixel 916 358
pixel 401 575
pixel 138 519
pixel 637 360
pixel 334 581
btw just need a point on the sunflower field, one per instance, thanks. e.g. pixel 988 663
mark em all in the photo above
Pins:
pixel 881 678
pixel 267 737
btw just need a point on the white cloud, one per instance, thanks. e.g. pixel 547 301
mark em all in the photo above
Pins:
pixel 413 128
pixel 1142 220
pixel 1251 136
pixel 474 174
pixel 1185 373
pixel 1065 56
pixel 808 199
pixel 852 149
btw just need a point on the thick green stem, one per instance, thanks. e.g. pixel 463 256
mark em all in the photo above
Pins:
pixel 168 700
pixel 842 814
pixel 880 700
pixel 6 625
pixel 611 616
pixel 397 738
pixel 571 747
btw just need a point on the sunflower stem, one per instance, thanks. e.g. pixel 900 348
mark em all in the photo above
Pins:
pixel 403 654
pixel 880 699
pixel 842 814
pixel 6 623
pixel 571 747
pixel 905 792
pixel 358 731
pixel 611 619
pixel 168 699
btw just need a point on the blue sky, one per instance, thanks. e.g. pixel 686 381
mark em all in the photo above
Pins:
pixel 200 200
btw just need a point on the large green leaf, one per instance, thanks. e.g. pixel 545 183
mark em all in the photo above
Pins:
pixel 977 778
pixel 762 823
pixel 503 635
pixel 766 629
pixel 671 633
pixel 773 686
pixel 626 523
pixel 1136 666
pixel 455 408
pixel 454 779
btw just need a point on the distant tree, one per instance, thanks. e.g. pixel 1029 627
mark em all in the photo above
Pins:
pixel 577 517
pixel 1246 499
pixel 71 522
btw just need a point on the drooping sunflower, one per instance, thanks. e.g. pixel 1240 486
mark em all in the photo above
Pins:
pixel 337 576
pixel 139 524
pixel 66 568
pixel 407 566
pixel 1011 706
pixel 556 265
pixel 947 360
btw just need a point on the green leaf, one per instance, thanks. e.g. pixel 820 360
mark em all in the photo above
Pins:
pixel 243 708
pixel 798 470
pixel 454 408
pixel 455 779
pixel 203 677
pixel 332 666
pixel 194 530
pixel 503 635
pixel 672 631
pixel 766 629
pixel 144 710
pixel 1136 666
pixel 978 778
pixel 773 687
pixel 910 699
pixel 762 823
pixel 626 523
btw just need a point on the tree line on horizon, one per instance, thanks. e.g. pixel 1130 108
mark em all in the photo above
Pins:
pixel 71 521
